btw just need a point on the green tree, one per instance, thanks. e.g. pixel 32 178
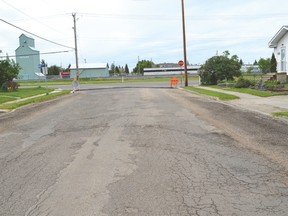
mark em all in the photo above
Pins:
pixel 141 65
pixel 54 70
pixel 219 68
pixel 249 70
pixel 273 66
pixel 255 62
pixel 112 69
pixel 126 70
pixel 117 70
pixel 241 62
pixel 8 70
pixel 264 65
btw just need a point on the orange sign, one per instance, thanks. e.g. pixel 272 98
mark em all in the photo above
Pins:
pixel 174 81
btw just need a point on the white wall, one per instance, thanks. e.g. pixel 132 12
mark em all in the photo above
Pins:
pixel 277 52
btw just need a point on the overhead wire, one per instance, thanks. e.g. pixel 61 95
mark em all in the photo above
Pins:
pixel 45 53
pixel 50 41
pixel 37 20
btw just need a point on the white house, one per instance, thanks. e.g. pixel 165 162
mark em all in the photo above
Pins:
pixel 280 44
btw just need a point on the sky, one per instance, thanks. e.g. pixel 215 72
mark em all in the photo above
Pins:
pixel 125 31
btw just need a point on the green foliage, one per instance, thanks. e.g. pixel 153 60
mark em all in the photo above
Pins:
pixel 54 70
pixel 273 64
pixel 220 95
pixel 244 83
pixel 112 69
pixel 255 62
pixel 141 65
pixel 249 70
pixel 126 69
pixel 219 68
pixel 271 84
pixel 280 114
pixel 264 65
pixel 8 70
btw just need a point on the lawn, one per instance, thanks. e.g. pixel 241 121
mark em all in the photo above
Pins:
pixel 26 93
pixel 101 80
pixel 251 91
pixel 281 114
pixel 221 96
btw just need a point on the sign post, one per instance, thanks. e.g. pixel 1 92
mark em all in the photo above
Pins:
pixel 181 63
pixel 45 72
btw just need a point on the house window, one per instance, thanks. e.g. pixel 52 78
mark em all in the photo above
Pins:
pixel 283 58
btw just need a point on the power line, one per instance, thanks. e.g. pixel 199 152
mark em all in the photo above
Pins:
pixel 20 11
pixel 45 53
pixel 36 35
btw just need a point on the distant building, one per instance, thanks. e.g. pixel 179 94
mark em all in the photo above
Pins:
pixel 167 65
pixel 253 68
pixel 90 70
pixel 28 58
pixel 168 71
pixel 280 43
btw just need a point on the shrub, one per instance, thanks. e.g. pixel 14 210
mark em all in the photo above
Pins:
pixel 244 83
pixel 273 84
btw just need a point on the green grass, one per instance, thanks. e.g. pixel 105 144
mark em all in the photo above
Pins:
pixel 251 91
pixel 33 100
pixel 221 96
pixel 100 80
pixel 280 114
pixel 24 92
pixel 4 99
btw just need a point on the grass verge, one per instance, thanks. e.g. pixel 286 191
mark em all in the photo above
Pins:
pixel 25 92
pixel 251 91
pixel 221 96
pixel 33 100
pixel 127 79
pixel 280 114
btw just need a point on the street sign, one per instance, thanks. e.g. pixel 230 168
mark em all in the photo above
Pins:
pixel 181 63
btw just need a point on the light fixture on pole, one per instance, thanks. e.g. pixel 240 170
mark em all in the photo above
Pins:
pixel 184 44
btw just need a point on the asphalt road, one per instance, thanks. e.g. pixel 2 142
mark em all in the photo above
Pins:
pixel 141 149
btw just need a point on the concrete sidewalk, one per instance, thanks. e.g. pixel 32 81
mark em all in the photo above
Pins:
pixel 264 105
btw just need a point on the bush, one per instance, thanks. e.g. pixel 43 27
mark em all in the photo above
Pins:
pixel 273 84
pixel 9 85
pixel 244 83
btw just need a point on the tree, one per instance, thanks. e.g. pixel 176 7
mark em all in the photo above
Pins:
pixel 241 62
pixel 9 70
pixel 273 64
pixel 264 65
pixel 141 65
pixel 117 70
pixel 220 68
pixel 255 62
pixel 54 70
pixel 112 69
pixel 126 70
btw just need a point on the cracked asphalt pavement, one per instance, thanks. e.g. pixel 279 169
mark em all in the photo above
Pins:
pixel 141 151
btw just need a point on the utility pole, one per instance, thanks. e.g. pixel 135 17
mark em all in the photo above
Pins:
pixel 76 49
pixel 184 44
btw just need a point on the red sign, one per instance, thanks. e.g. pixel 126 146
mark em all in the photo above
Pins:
pixel 181 63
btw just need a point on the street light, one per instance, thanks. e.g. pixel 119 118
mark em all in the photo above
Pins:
pixel 184 44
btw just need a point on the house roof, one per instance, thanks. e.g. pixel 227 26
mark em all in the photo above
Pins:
pixel 89 66
pixel 279 35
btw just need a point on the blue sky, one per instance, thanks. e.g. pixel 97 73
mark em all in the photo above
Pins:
pixel 120 31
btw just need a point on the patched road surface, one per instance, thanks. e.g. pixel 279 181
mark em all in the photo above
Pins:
pixel 141 151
